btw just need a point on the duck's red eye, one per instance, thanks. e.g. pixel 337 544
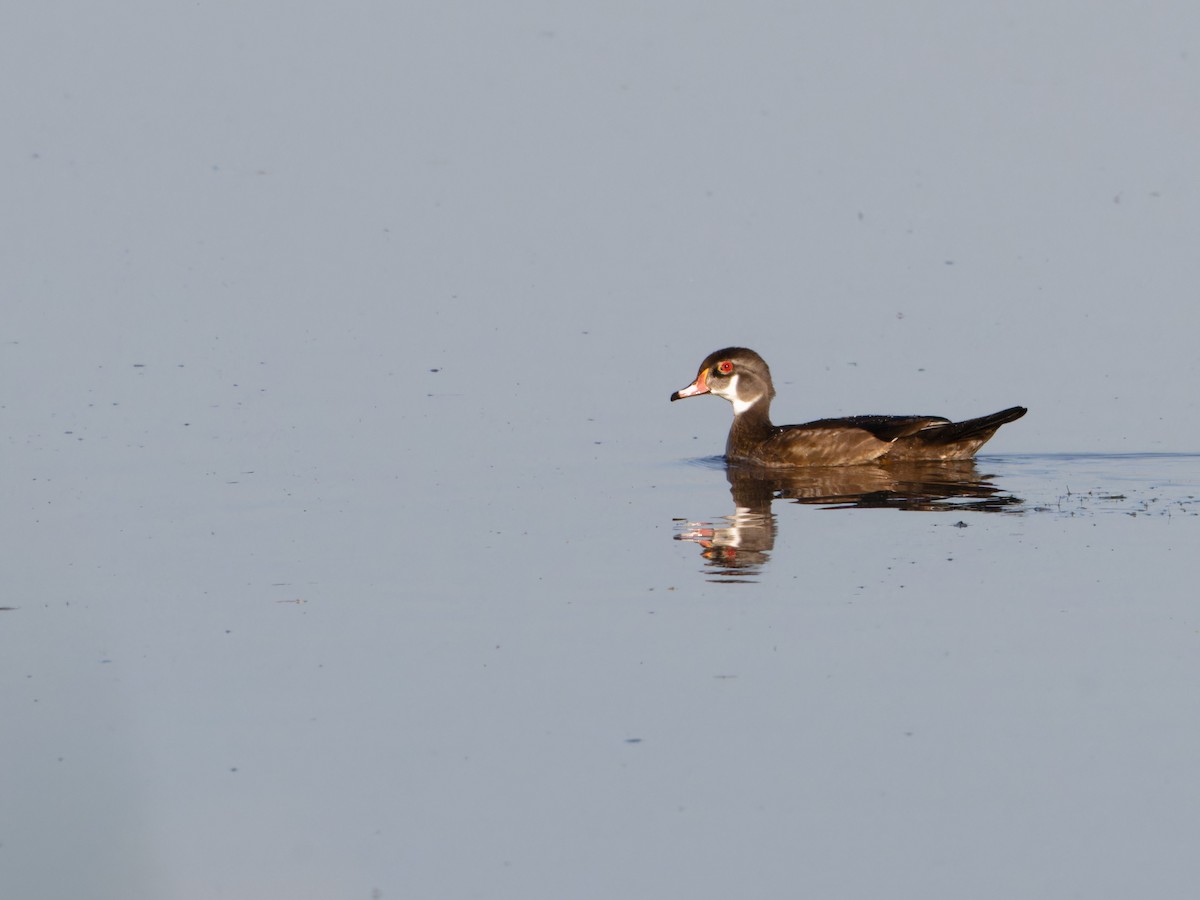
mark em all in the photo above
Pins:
pixel 725 367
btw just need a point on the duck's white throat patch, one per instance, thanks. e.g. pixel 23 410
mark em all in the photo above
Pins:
pixel 740 403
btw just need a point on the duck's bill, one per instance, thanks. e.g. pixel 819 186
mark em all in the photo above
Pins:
pixel 699 386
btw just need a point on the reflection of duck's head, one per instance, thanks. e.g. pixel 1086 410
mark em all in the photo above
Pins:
pixel 739 375
pixel 741 545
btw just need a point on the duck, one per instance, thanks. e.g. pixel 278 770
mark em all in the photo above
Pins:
pixel 742 377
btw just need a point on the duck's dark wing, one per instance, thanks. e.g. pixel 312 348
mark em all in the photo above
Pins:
pixel 835 442
pixel 857 439
pixel 952 440
pixel 885 428
pixel 852 440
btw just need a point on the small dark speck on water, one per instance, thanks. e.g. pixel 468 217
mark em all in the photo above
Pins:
pixel 633 740
pixel 960 524
pixel 435 370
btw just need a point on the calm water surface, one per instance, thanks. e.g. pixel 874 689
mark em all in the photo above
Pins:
pixel 639 678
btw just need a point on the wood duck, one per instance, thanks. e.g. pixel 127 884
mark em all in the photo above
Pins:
pixel 741 376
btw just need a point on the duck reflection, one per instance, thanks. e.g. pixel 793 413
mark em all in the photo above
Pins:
pixel 740 546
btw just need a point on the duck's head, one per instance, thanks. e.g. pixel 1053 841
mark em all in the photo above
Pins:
pixel 739 375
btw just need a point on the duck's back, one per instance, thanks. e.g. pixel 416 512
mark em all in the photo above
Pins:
pixel 852 440
pixel 826 442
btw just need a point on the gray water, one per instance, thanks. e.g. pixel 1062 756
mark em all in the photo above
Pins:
pixel 355 550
